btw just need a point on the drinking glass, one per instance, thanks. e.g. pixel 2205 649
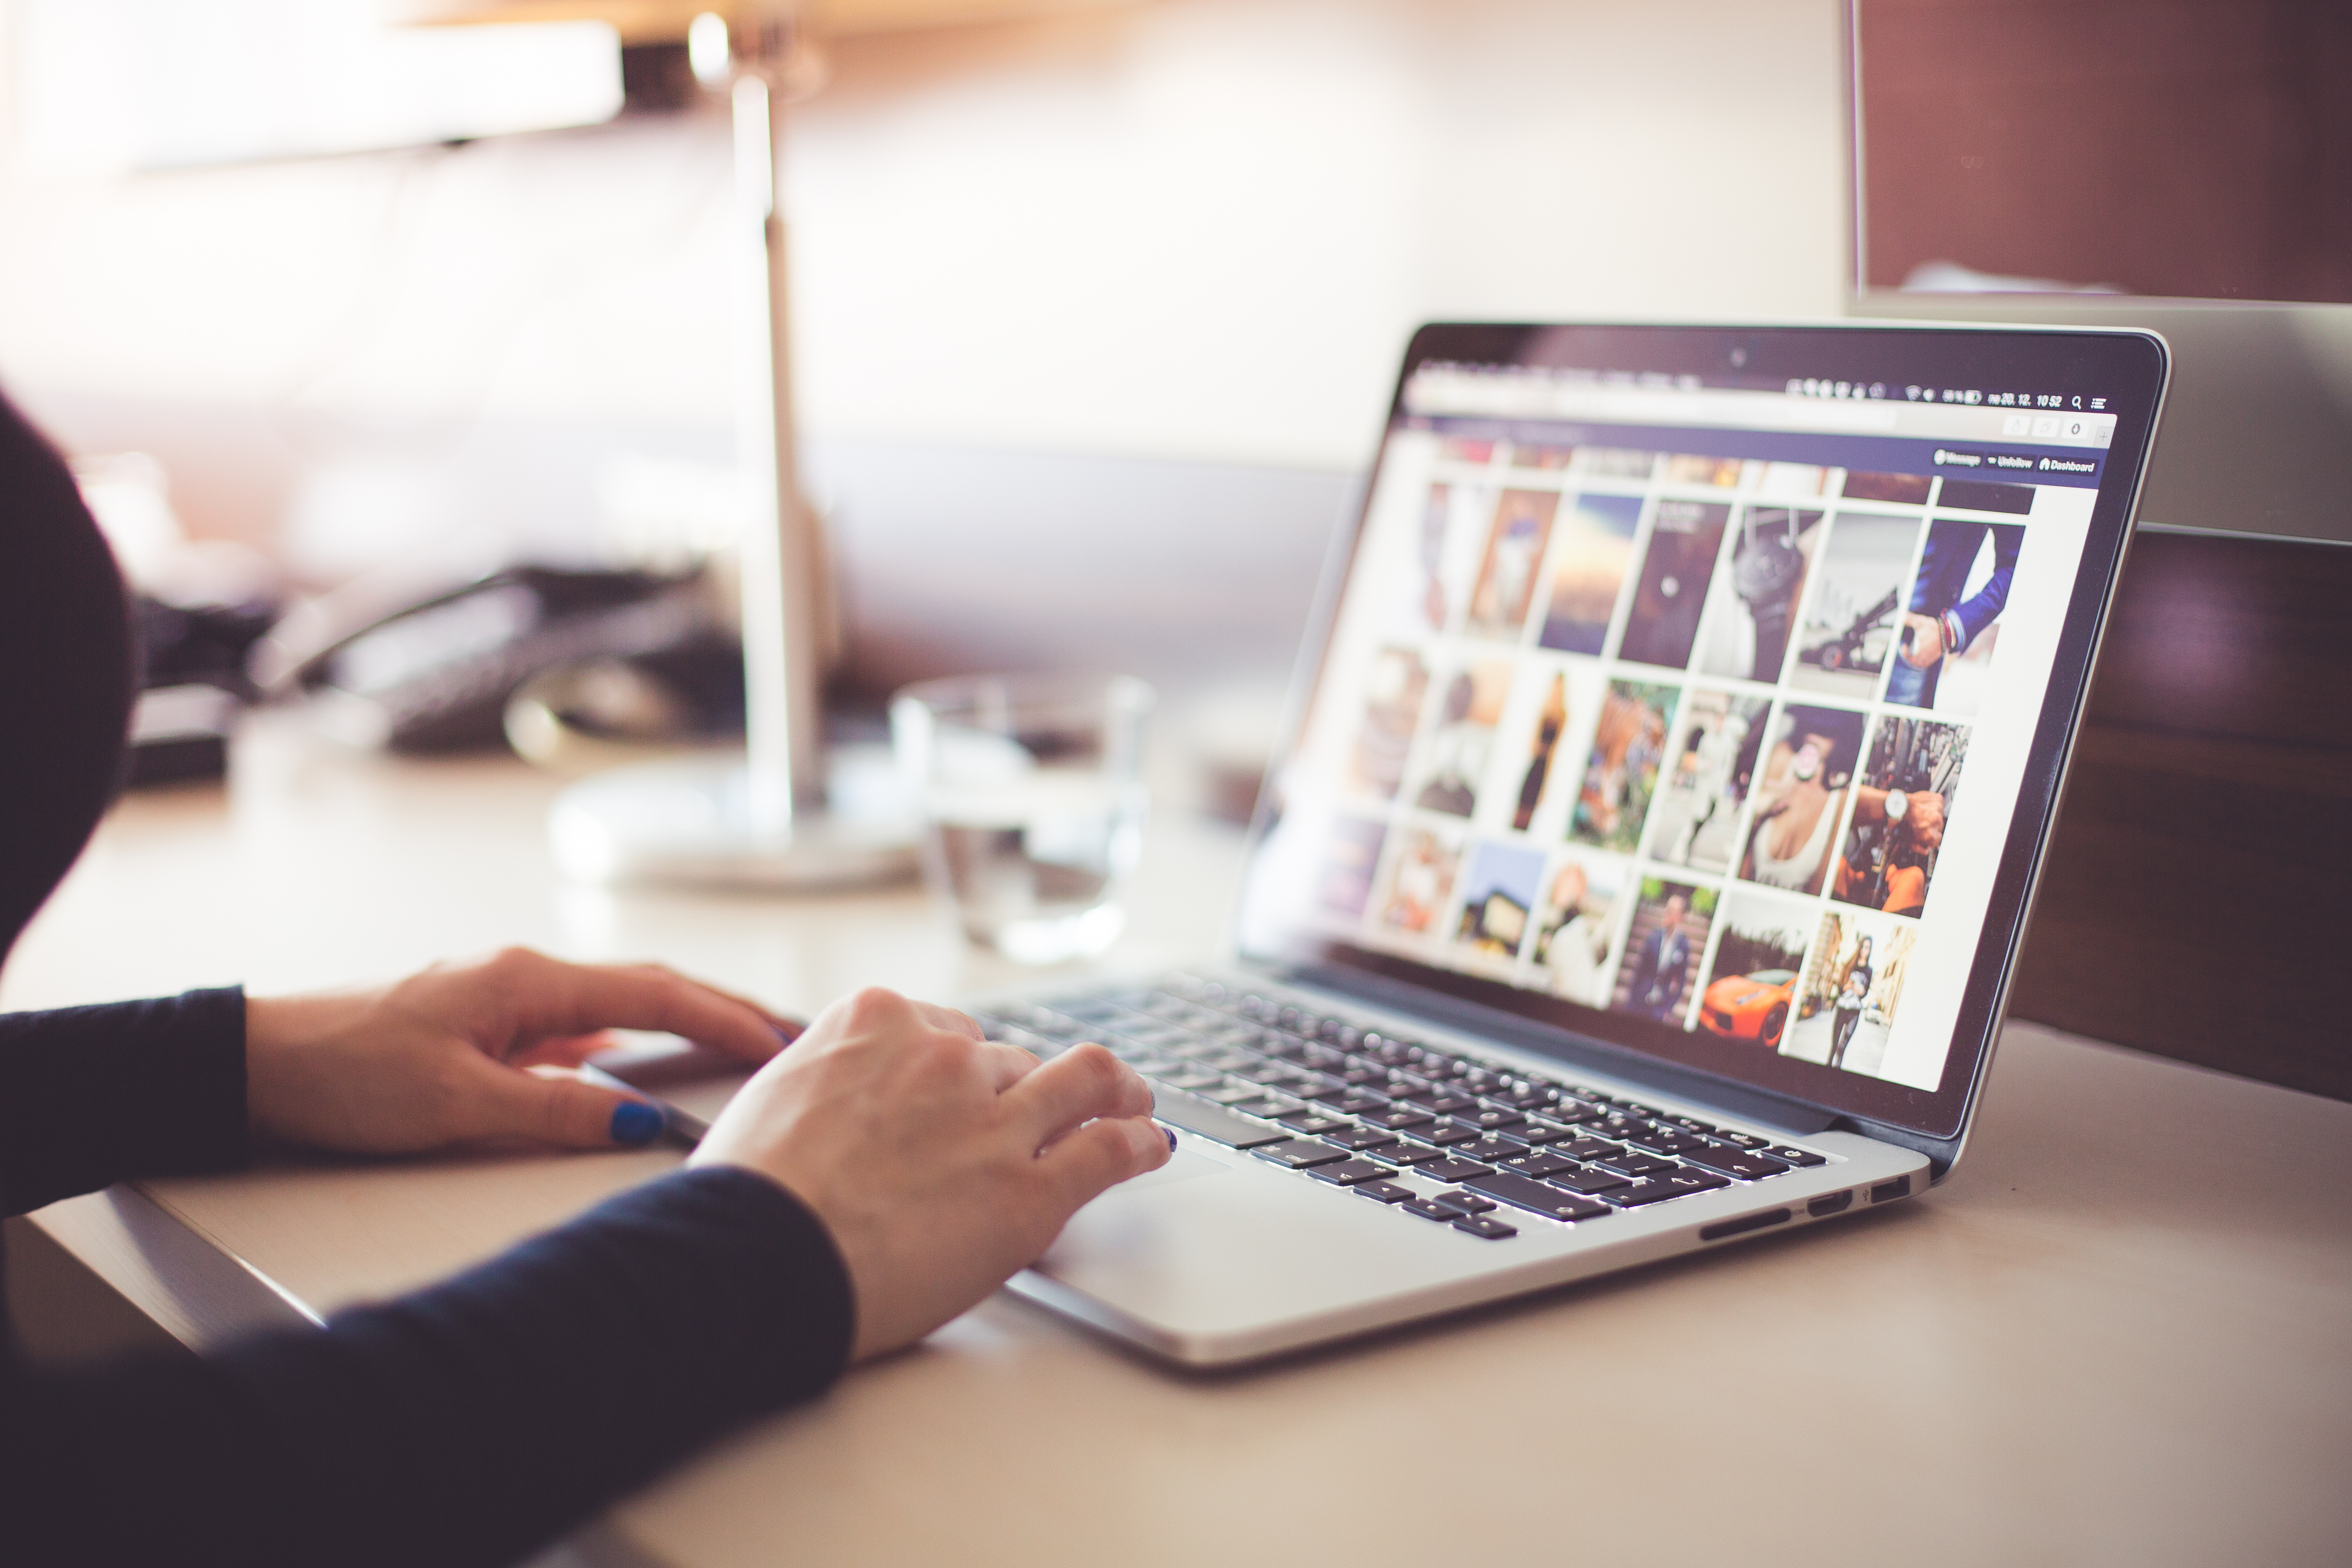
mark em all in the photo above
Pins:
pixel 1032 803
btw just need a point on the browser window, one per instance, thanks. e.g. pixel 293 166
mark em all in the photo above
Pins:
pixel 1700 707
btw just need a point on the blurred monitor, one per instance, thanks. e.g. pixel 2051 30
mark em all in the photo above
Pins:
pixel 2182 166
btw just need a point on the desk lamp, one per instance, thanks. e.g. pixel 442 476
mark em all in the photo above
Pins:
pixel 787 815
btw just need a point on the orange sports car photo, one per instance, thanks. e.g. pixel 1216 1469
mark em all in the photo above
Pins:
pixel 1750 1006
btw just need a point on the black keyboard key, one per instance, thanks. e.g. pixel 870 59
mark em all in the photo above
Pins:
pixel 1535 1164
pixel 1189 1077
pixel 1439 1102
pixel 1463 1201
pixel 1539 1198
pixel 1401 1118
pixel 1493 1150
pixel 1618 1125
pixel 1410 1153
pixel 1479 1080
pixel 1541 1133
pixel 1531 1099
pixel 1348 1173
pixel 1445 1134
pixel 1586 1149
pixel 1633 1162
pixel 1680 1181
pixel 1444 1213
pixel 1300 1153
pixel 1736 1161
pixel 1310 1123
pixel 1233 1094
pixel 1385 1191
pixel 1798 1156
pixel 1354 1102
pixel 1688 1124
pixel 1488 1119
pixel 1590 1180
pixel 1272 1107
pixel 1360 1138
pixel 1485 1227
pixel 1748 1141
pixel 1211 1121
pixel 1573 1113
pixel 1357 1073
pixel 1451 1169
pixel 1667 1141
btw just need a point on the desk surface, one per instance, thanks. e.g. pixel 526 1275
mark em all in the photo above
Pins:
pixel 2122 1331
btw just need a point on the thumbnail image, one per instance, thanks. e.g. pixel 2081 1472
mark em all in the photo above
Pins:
pixel 1953 619
pixel 1792 481
pixel 1662 952
pixel 1498 897
pixel 1551 720
pixel 1420 882
pixel 1849 628
pixel 1810 756
pixel 1463 739
pixel 1540 457
pixel 1983 495
pixel 1903 489
pixel 1848 990
pixel 1628 744
pixel 1515 549
pixel 1689 468
pixel 1574 929
pixel 1684 539
pixel 1614 461
pixel 1717 740
pixel 1466 449
pixel 1760 952
pixel 1596 548
pixel 1901 801
pixel 1446 552
pixel 1350 857
pixel 1393 686
pixel 1753 605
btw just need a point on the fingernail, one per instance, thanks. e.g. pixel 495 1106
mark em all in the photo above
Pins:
pixel 1172 1138
pixel 636 1123
pixel 785 1035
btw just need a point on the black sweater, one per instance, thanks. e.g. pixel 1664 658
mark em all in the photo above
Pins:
pixel 466 1424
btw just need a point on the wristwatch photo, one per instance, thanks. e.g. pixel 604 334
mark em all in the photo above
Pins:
pixel 1764 567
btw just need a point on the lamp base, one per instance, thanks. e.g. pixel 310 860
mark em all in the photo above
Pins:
pixel 688 821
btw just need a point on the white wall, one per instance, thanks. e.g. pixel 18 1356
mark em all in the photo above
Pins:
pixel 1196 228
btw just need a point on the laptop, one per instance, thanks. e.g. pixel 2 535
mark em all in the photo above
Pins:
pixel 1672 755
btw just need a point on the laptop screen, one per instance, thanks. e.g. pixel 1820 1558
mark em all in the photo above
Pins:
pixel 1683 689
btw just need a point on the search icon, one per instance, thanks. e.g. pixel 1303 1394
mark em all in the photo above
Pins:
pixel 2078 402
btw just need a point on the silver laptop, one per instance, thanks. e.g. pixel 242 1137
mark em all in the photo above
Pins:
pixel 1668 772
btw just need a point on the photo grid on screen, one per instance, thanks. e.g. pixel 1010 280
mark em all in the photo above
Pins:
pixel 1671 734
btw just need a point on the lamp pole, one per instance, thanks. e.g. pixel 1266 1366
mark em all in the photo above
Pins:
pixel 790 814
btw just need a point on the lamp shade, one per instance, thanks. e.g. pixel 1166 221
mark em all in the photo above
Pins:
pixel 657 21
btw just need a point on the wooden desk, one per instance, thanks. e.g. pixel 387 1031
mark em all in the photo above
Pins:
pixel 2121 1331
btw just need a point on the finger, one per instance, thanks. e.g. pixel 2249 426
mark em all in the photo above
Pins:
pixel 560 1110
pixel 562 1050
pixel 1007 1064
pixel 554 999
pixel 1082 1084
pixel 1101 1155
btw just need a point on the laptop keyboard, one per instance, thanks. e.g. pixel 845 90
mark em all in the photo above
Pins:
pixel 1354 1107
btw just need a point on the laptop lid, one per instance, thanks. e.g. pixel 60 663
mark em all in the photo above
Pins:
pixel 1700 697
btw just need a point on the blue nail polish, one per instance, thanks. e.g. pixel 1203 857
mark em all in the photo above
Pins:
pixel 1172 1138
pixel 636 1123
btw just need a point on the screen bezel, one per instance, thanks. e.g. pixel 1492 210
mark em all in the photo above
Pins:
pixel 2127 368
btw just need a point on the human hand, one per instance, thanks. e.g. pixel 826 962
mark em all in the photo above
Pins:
pixel 445 1056
pixel 940 1161
pixel 1923 816
pixel 1924 646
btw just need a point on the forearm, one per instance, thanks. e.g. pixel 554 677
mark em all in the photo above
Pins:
pixel 96 1095
pixel 466 1424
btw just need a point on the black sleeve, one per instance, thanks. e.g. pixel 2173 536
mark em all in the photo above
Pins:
pixel 468 1424
pixel 91 1096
